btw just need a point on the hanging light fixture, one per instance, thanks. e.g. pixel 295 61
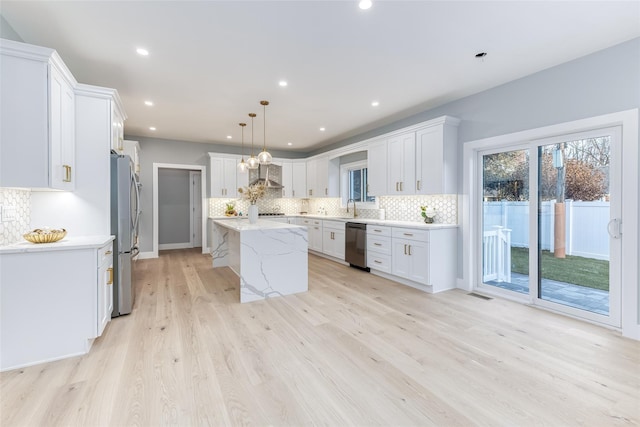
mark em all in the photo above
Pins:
pixel 252 162
pixel 242 166
pixel 264 157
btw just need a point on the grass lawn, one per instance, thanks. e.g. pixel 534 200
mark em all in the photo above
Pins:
pixel 588 272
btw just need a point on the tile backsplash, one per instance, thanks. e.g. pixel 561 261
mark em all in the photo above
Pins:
pixel 12 231
pixel 396 208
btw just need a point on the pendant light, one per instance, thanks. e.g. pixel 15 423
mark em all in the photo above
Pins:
pixel 264 157
pixel 252 162
pixel 242 166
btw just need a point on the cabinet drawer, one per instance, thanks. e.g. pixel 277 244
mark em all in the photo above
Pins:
pixel 317 222
pixel 333 225
pixel 378 230
pixel 105 253
pixel 379 244
pixel 378 261
pixel 411 234
pixel 306 222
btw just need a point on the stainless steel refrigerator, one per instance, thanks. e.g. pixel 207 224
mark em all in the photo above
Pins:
pixel 125 213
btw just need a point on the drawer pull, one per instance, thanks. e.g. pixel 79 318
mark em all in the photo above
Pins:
pixel 408 234
pixel 108 253
pixel 377 262
pixel 378 244
pixel 110 280
pixel 377 231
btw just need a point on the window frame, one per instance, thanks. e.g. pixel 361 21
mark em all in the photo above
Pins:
pixel 344 184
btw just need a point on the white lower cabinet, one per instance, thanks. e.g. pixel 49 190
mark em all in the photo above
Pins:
pixel 54 300
pixel 379 248
pixel 105 287
pixel 410 260
pixel 314 231
pixel 333 238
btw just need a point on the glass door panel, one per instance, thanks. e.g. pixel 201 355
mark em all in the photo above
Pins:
pixel 505 220
pixel 574 201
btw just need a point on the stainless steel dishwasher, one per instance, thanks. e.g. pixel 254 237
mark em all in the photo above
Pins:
pixel 355 251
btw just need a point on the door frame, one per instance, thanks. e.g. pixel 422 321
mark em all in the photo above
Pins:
pixel 192 204
pixel 156 166
pixel 630 282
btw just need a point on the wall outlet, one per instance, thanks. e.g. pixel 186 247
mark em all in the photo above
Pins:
pixel 8 213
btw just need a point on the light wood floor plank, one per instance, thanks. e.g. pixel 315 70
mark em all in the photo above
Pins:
pixel 356 349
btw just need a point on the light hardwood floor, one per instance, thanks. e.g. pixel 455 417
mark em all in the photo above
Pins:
pixel 354 350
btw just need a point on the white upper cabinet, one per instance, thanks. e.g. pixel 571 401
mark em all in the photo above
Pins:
pixel 299 177
pixel 377 167
pixel 322 177
pixel 132 149
pixel 401 164
pixel 287 179
pixel 436 157
pixel 224 180
pixel 117 131
pixel 37 112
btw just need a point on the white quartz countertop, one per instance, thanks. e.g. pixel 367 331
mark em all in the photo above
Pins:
pixel 242 224
pixel 388 223
pixel 66 244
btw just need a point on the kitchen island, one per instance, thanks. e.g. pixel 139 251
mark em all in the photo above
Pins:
pixel 269 257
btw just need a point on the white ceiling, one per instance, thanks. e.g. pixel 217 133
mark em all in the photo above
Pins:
pixel 211 62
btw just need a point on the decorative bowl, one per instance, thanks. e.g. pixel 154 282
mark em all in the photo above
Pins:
pixel 45 236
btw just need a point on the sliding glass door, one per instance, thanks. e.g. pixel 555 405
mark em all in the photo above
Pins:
pixel 549 219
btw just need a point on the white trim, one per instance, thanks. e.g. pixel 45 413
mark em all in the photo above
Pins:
pixel 147 255
pixel 630 278
pixel 156 166
pixel 192 203
pixel 344 184
pixel 170 246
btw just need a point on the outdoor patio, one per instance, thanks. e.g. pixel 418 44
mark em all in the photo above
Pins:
pixel 581 297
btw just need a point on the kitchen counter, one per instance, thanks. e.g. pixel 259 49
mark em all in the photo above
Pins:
pixel 269 257
pixel 66 244
pixel 390 223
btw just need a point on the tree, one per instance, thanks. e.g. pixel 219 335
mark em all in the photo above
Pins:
pixel 584 181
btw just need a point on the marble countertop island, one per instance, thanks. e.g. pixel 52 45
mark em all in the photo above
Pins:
pixel 269 257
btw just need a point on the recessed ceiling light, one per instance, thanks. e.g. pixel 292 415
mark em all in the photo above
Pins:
pixel 148 103
pixel 152 128
pixel 283 83
pixel 142 51
pixel 229 137
pixel 289 143
pixel 375 103
pixel 364 4
pixel 322 129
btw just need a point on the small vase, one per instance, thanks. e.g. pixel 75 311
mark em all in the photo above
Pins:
pixel 253 214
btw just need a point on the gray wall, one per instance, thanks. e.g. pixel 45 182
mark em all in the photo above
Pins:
pixel 173 206
pixel 7 31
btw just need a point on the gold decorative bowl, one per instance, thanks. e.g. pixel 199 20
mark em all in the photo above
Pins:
pixel 45 236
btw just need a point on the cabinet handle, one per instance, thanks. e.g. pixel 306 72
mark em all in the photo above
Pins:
pixel 377 231
pixel 376 261
pixel 409 249
pixel 120 144
pixel 405 249
pixel 401 184
pixel 67 173
pixel 326 191
pixel 367 188
pixel 397 186
pixel 377 244
pixel 110 281
pixel 293 193
pixel 419 185
pixel 408 234
pixel 108 253
pixel 311 192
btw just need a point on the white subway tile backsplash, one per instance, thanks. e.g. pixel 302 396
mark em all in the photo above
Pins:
pixel 397 208
pixel 12 231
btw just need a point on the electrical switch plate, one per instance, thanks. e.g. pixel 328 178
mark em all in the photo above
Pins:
pixel 8 213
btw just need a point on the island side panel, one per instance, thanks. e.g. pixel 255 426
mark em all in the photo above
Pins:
pixel 220 246
pixel 274 263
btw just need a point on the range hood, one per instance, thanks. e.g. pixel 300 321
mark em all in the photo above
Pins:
pixel 264 171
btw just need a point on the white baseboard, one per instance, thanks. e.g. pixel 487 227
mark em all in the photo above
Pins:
pixel 169 246
pixel 146 255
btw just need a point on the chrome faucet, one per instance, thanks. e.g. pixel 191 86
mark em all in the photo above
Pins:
pixel 355 214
